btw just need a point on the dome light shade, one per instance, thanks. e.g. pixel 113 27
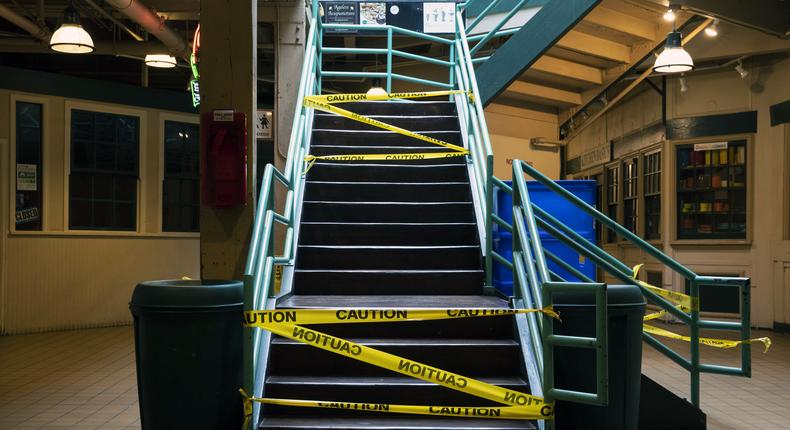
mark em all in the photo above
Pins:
pixel 163 61
pixel 673 59
pixel 377 91
pixel 71 38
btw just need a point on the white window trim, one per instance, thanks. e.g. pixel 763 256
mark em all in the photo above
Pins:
pixel 160 193
pixel 45 159
pixel 141 173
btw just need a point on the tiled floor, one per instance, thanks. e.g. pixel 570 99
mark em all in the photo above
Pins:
pixel 69 380
pixel 86 380
pixel 731 403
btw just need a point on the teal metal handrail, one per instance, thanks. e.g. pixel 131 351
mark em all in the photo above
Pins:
pixel 528 253
pixel 625 274
pixel 259 270
pixel 390 31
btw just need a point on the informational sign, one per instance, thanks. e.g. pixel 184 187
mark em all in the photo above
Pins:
pixel 26 177
pixel 341 13
pixel 223 115
pixel 438 17
pixel 598 155
pixel 194 88
pixel 263 124
pixel 373 13
pixel 26 215
pixel 710 146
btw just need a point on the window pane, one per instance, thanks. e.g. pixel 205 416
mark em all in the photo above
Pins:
pixel 181 184
pixel 29 138
pixel 104 171
pixel 711 198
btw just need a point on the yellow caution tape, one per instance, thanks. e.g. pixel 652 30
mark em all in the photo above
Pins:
pixel 325 103
pixel 532 406
pixel 686 303
pixel 326 107
pixel 364 97
pixel 334 316
pixel 311 159
pixel 285 323
pixel 507 412
pixel 717 343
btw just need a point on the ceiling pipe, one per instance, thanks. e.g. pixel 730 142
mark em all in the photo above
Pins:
pixel 24 23
pixel 153 24
pixel 114 20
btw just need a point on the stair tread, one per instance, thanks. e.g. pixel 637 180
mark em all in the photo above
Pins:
pixel 387 422
pixel 388 184
pixel 343 130
pixel 413 342
pixel 379 380
pixel 417 271
pixel 389 246
pixel 386 203
pixel 392 301
pixel 384 223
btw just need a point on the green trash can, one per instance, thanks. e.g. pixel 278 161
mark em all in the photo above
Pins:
pixel 574 368
pixel 188 346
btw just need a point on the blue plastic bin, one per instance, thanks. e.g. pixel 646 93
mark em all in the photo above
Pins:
pixel 561 209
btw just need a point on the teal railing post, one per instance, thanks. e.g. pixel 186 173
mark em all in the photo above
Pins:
pixel 489 205
pixel 694 344
pixel 389 60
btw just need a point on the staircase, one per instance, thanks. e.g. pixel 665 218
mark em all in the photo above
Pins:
pixel 395 234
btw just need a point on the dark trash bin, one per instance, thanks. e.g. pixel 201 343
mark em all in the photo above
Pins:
pixel 188 346
pixel 574 368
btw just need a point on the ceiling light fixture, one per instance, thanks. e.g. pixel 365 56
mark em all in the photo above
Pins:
pixel 670 15
pixel 162 61
pixel 741 70
pixel 673 59
pixel 71 38
pixel 713 29
pixel 376 89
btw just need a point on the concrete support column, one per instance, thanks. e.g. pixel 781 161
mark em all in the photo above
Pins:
pixel 228 80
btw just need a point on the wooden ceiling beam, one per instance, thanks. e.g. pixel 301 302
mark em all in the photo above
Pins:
pixel 622 23
pixel 551 96
pixel 568 69
pixel 584 43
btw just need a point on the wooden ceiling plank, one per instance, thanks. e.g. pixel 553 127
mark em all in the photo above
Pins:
pixel 559 96
pixel 595 46
pixel 623 23
pixel 568 69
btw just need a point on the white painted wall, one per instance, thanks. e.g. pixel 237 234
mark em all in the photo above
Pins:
pixel 60 279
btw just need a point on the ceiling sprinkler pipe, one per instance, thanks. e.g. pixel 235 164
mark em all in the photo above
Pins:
pixel 153 24
pixel 24 23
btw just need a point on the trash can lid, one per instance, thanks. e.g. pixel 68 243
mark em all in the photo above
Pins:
pixel 616 295
pixel 187 294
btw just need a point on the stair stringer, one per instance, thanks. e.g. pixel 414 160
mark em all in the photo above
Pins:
pixel 460 108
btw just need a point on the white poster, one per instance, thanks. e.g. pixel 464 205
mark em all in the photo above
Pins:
pixel 373 13
pixel 26 177
pixel 263 124
pixel 438 17
pixel 710 146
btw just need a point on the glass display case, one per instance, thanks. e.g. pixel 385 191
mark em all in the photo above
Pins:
pixel 711 190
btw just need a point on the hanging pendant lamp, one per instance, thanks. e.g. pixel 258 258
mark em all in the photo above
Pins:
pixel 673 59
pixel 71 38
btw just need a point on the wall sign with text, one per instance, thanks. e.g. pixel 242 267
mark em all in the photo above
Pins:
pixel 433 17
